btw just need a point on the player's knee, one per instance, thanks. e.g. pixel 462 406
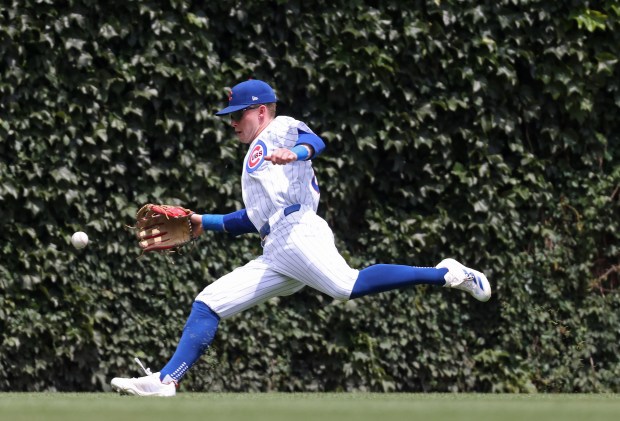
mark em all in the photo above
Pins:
pixel 341 287
pixel 341 294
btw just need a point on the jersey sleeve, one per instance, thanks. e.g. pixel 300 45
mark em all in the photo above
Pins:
pixel 310 139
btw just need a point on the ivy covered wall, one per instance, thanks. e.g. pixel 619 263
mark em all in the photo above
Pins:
pixel 487 131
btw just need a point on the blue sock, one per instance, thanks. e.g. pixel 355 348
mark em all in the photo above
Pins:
pixel 380 278
pixel 198 334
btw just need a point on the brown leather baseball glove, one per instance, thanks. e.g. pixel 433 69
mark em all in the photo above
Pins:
pixel 163 227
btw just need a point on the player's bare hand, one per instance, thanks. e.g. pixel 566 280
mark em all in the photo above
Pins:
pixel 282 156
pixel 196 221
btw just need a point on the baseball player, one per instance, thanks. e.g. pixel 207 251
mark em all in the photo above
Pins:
pixel 281 196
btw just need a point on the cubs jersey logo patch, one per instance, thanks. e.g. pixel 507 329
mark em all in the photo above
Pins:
pixel 257 156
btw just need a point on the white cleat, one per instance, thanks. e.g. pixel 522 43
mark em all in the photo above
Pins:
pixel 143 386
pixel 466 279
pixel 149 385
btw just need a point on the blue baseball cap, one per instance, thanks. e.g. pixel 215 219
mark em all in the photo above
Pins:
pixel 248 93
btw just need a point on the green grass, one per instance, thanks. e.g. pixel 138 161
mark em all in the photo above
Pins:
pixel 308 406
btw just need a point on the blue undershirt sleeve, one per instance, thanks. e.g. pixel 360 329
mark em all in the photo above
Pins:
pixel 310 139
pixel 238 223
pixel 235 223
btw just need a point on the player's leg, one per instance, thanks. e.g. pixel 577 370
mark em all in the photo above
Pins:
pixel 239 290
pixel 301 246
pixel 245 287
pixel 198 334
pixel 382 277
pixel 448 273
pixel 307 252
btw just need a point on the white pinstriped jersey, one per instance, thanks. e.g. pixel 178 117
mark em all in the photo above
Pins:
pixel 268 188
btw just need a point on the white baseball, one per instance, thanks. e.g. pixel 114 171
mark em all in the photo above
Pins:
pixel 79 240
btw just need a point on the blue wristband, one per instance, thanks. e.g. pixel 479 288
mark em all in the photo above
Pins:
pixel 213 222
pixel 301 152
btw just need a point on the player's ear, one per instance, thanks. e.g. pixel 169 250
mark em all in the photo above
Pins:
pixel 262 111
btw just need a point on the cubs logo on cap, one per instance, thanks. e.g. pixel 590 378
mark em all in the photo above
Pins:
pixel 256 157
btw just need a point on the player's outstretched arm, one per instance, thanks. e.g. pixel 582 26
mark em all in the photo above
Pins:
pixel 235 223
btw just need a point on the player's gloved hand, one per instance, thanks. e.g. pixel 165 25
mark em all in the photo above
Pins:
pixel 163 227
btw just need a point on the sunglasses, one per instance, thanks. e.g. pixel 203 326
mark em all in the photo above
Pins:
pixel 237 115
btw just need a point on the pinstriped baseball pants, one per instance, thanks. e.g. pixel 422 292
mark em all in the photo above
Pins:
pixel 299 251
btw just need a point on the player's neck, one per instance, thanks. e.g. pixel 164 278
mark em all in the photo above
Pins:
pixel 263 126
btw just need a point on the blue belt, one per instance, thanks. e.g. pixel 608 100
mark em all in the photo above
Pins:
pixel 266 229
